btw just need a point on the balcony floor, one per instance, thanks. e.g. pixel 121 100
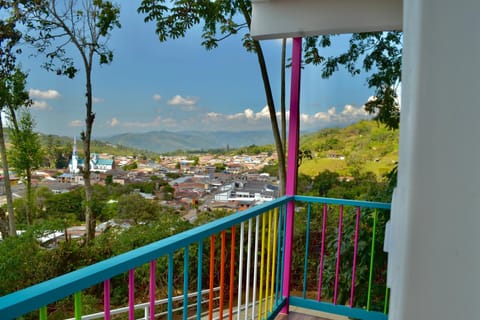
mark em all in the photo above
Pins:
pixel 305 314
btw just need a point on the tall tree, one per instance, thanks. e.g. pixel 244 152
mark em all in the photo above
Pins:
pixel 221 19
pixel 12 83
pixel 86 27
pixel 26 155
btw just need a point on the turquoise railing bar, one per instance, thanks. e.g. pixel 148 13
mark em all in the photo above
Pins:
pixel 349 203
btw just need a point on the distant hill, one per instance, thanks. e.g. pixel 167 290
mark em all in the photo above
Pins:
pixel 365 146
pixel 165 141
pixel 97 146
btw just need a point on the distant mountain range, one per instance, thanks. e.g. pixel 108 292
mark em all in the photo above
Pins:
pixel 165 141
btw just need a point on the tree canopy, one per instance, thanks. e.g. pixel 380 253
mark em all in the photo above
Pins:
pixel 379 54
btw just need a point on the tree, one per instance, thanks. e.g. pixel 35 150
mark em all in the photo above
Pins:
pixel 382 59
pixel 174 19
pixel 12 84
pixel 85 26
pixel 134 206
pixel 26 154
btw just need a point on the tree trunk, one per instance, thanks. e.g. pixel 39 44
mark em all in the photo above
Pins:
pixel 270 103
pixel 273 118
pixel 6 178
pixel 90 219
pixel 28 211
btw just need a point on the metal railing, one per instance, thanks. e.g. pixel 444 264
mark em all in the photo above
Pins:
pixel 243 255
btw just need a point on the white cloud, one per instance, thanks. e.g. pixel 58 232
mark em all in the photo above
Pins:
pixel 75 123
pixel 264 113
pixel 214 115
pixel 48 94
pixel 157 97
pixel 40 105
pixel 97 100
pixel 181 101
pixel 249 114
pixel 251 120
pixel 113 122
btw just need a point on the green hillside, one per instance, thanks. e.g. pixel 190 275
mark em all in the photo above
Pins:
pixel 364 146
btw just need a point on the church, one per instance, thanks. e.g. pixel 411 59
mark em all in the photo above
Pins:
pixel 97 164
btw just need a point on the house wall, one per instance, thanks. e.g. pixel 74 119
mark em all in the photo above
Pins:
pixel 434 258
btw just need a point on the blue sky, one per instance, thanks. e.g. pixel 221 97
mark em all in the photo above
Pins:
pixel 178 85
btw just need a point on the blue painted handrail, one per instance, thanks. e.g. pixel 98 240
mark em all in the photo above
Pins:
pixel 34 297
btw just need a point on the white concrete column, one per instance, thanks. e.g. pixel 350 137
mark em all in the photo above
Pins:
pixel 435 258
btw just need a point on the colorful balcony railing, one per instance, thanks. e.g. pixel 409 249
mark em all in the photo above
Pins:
pixel 243 256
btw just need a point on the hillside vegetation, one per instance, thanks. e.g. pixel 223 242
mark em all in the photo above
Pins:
pixel 363 146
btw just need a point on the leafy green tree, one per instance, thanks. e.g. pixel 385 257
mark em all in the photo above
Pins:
pixel 221 19
pixel 12 97
pixel 85 26
pixel 26 155
pixel 12 94
pixel 381 56
pixel 135 207
pixel 65 206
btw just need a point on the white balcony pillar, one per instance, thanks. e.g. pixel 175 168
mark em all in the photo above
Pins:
pixel 435 259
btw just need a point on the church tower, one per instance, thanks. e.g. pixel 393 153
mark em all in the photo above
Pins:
pixel 74 163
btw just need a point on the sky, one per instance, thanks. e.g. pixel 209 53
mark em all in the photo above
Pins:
pixel 178 86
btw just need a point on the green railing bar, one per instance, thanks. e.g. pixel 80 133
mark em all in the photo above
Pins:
pixel 385 306
pixel 372 253
pixel 78 305
pixel 43 313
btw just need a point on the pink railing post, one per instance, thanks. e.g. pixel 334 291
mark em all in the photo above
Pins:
pixel 106 299
pixel 131 294
pixel 153 265
pixel 291 183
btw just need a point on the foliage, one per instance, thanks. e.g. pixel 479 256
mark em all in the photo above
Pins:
pixel 85 26
pixel 382 61
pixel 131 166
pixel 363 146
pixel 26 154
pixel 135 207
pixel 12 96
